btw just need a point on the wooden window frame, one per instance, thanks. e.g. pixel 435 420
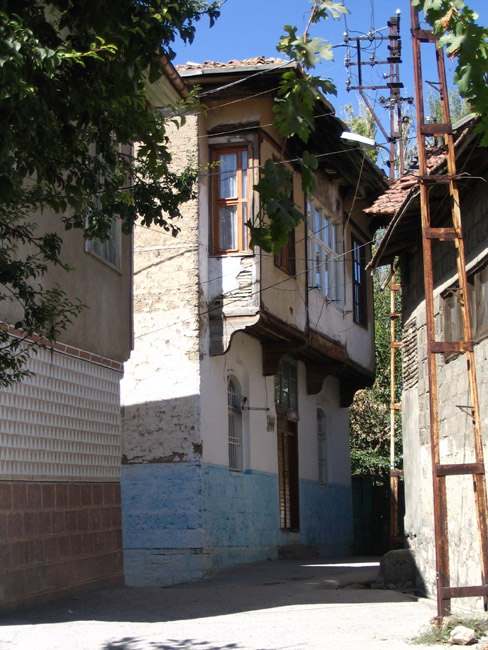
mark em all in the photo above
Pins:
pixel 286 384
pixel 359 286
pixel 239 201
pixel 285 258
pixel 451 309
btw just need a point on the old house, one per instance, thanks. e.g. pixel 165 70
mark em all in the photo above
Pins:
pixel 60 439
pixel 402 240
pixel 235 435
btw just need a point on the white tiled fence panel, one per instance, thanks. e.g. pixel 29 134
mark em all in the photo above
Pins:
pixel 62 423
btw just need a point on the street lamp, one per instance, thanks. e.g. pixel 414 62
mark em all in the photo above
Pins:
pixel 369 143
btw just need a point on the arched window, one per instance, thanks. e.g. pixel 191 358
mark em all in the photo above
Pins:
pixel 322 448
pixel 235 425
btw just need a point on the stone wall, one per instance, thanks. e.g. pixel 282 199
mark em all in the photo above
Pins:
pixel 456 438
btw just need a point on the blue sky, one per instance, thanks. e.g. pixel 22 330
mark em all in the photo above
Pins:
pixel 249 28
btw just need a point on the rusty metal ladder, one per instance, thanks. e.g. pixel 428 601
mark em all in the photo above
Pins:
pixel 441 471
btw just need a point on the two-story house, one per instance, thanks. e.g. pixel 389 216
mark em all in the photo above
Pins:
pixel 60 439
pixel 235 426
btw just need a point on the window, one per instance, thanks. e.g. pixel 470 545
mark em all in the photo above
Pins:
pixel 285 258
pixel 286 385
pixel 359 295
pixel 478 308
pixel 325 253
pixel 322 449
pixel 231 200
pixel 109 249
pixel 234 411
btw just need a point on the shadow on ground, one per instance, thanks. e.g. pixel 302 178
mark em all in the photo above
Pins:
pixel 130 643
pixel 262 585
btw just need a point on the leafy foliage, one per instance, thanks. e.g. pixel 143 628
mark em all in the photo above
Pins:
pixel 293 117
pixel 73 79
pixel 467 42
pixel 362 123
pixel 370 411
pixel 458 106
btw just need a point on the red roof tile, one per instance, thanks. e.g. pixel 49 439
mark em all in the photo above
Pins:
pixel 258 60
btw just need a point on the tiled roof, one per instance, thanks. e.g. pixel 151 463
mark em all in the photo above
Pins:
pixel 234 63
pixel 395 195
pixel 391 201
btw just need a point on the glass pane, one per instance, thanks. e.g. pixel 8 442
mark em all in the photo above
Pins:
pixel 244 174
pixel 318 223
pixel 333 236
pixel 245 229
pixel 228 176
pixel 327 275
pixel 318 273
pixel 228 227
pixel 326 233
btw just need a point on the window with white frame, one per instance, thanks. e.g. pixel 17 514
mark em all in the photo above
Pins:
pixel 234 410
pixel 108 249
pixel 322 449
pixel 325 253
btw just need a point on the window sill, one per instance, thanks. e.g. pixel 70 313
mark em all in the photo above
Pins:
pixel 114 267
pixel 233 254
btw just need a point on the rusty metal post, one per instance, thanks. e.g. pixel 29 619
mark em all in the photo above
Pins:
pixel 445 592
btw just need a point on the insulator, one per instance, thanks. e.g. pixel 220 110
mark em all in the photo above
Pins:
pixel 348 82
pixel 372 58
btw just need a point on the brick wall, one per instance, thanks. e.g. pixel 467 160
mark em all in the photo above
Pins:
pixel 57 538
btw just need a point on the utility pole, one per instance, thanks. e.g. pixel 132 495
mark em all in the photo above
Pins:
pixel 393 103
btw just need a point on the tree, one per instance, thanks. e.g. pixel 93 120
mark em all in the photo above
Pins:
pixel 293 117
pixel 73 79
pixel 363 123
pixel 370 411
pixel 458 106
pixel 467 42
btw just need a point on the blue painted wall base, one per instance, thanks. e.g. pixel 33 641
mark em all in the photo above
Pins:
pixel 182 521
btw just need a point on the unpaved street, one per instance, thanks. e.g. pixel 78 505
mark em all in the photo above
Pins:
pixel 274 605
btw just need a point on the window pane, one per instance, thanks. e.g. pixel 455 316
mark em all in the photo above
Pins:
pixel 228 175
pixel 318 271
pixel 245 229
pixel 244 173
pixel 318 223
pixel 228 227
pixel 234 426
pixel 326 274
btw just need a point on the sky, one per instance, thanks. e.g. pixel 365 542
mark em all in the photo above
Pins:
pixel 250 28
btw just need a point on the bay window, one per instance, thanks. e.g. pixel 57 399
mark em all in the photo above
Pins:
pixel 231 200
